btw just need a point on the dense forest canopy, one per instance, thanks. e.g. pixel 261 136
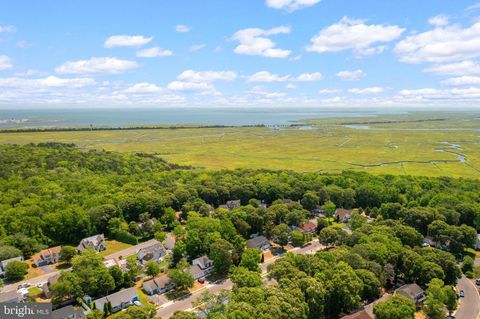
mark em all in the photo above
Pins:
pixel 57 194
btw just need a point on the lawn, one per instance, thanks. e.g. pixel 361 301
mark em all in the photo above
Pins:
pixel 397 144
pixel 114 246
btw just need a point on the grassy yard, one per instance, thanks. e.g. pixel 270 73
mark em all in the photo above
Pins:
pixel 396 144
pixel 114 246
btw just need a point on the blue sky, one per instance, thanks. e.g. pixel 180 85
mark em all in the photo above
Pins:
pixel 296 53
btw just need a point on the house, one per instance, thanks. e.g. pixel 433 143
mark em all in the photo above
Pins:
pixel 413 292
pixel 158 285
pixel 205 264
pixel 51 281
pixel 47 256
pixel 260 242
pixel 4 263
pixel 196 272
pixel 477 243
pixel 96 242
pixel 231 204
pixel 362 314
pixel 154 252
pixel 68 312
pixel 122 263
pixel 308 228
pixel 119 300
pixel 317 212
pixel 169 243
pixel 10 297
pixel 343 215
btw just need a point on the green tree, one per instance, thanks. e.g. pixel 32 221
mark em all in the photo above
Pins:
pixel 310 200
pixel 251 259
pixel 152 268
pixel 468 264
pixel 434 304
pixel 242 277
pixel 67 253
pixel 117 274
pixel 281 233
pixel 180 275
pixel 329 208
pixel 16 271
pixel 160 236
pixel 221 253
pixel 297 238
pixel 398 307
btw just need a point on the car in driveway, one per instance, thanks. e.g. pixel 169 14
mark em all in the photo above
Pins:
pixel 462 294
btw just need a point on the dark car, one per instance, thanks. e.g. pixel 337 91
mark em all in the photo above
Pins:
pixel 462 294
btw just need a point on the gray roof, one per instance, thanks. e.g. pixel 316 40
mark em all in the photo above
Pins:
pixel 4 263
pixel 410 291
pixel 67 312
pixel 256 241
pixel 10 296
pixel 195 270
pixel 162 281
pixel 149 284
pixel 95 240
pixel 116 299
pixel 169 242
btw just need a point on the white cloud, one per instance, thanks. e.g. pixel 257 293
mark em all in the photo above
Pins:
pixel 44 83
pixel 290 5
pixel 106 65
pixel 329 91
pixel 206 76
pixel 351 75
pixel 153 52
pixel 309 77
pixel 255 41
pixel 463 80
pixel 5 62
pixel 349 34
pixel 439 21
pixel 189 86
pixel 290 86
pixel 259 90
pixel 126 41
pixel 370 90
pixel 458 68
pixel 474 6
pixel 7 28
pixel 445 94
pixel 265 76
pixel 182 28
pixel 143 88
pixel 197 47
pixel 440 45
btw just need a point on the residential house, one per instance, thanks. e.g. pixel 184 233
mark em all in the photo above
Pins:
pixel 4 263
pixel 158 285
pixel 477 243
pixel 154 252
pixel 308 228
pixel 169 242
pixel 196 272
pixel 119 300
pixel 51 281
pixel 122 263
pixel 96 242
pixel 47 256
pixel 362 314
pixel 68 312
pixel 231 204
pixel 317 212
pixel 205 264
pixel 259 242
pixel 413 292
pixel 10 297
pixel 343 215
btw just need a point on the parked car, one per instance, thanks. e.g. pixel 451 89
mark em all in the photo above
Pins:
pixel 462 294
pixel 201 280
pixel 477 281
pixel 137 303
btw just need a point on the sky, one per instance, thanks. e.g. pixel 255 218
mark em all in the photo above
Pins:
pixel 251 53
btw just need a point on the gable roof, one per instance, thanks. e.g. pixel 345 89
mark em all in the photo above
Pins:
pixel 162 281
pixel 342 213
pixel 67 312
pixel 309 227
pixel 156 248
pixel 410 291
pixel 196 271
pixel 5 262
pixel 256 242
pixel 362 314
pixel 116 299
pixel 95 240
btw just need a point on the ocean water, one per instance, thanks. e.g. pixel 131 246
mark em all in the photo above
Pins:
pixel 166 116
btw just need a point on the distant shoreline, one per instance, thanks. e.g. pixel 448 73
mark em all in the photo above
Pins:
pixel 130 128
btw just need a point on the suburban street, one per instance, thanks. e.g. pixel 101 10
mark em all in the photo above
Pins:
pixel 44 278
pixel 168 309
pixel 469 307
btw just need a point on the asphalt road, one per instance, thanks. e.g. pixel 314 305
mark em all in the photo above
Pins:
pixel 469 307
pixel 168 309
pixel 44 278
